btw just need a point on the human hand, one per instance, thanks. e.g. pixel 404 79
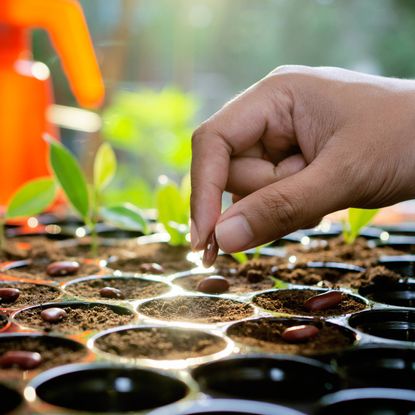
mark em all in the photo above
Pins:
pixel 299 144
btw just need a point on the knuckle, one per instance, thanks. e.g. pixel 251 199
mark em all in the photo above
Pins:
pixel 282 210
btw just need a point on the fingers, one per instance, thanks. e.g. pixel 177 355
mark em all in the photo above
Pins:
pixel 280 208
pixel 249 174
pixel 234 129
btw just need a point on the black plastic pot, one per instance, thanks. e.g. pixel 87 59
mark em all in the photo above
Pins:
pixel 10 399
pixel 368 402
pixel 393 324
pixel 282 379
pixel 36 342
pixel 378 365
pixel 225 407
pixel 400 242
pixel 101 388
pixel 401 264
pixel 400 294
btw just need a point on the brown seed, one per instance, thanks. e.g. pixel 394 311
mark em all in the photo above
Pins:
pixel 151 268
pixel 211 251
pixel 323 301
pixel 9 295
pixel 21 359
pixel 62 268
pixel 215 284
pixel 298 334
pixel 110 292
pixel 53 314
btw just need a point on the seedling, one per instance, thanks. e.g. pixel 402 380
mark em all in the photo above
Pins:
pixel 87 199
pixel 29 200
pixel 357 219
pixel 173 208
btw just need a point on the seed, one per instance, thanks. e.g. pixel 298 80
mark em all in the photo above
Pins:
pixel 323 301
pixel 151 268
pixel 62 268
pixel 211 251
pixel 21 359
pixel 215 284
pixel 298 334
pixel 9 295
pixel 110 292
pixel 53 314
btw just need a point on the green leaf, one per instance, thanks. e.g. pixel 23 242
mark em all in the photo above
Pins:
pixel 32 198
pixel 172 212
pixel 241 257
pixel 358 219
pixel 69 175
pixel 125 216
pixel 105 166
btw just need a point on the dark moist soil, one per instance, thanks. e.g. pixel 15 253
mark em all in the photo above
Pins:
pixel 266 333
pixel 237 283
pixel 196 309
pixel 336 250
pixel 132 288
pixel 53 354
pixel 160 344
pixel 78 319
pixel 171 258
pixel 292 302
pixel 30 294
pixel 332 278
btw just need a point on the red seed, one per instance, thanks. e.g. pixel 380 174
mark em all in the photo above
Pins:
pixel 298 334
pixel 21 359
pixel 62 268
pixel 110 292
pixel 9 295
pixel 211 251
pixel 151 268
pixel 323 301
pixel 53 314
pixel 215 284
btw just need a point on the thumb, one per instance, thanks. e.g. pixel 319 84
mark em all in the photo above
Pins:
pixel 280 208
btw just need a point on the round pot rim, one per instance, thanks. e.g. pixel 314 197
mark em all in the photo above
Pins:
pixel 236 406
pixel 163 363
pixel 349 395
pixel 69 303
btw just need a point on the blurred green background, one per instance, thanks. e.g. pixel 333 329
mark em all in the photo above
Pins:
pixel 168 64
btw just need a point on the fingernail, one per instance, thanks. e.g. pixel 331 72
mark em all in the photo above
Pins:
pixel 234 234
pixel 211 251
pixel 194 236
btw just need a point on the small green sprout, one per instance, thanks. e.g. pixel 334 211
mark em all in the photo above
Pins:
pixel 87 199
pixel 357 219
pixel 29 200
pixel 173 208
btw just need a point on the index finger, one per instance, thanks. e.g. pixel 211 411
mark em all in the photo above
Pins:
pixel 233 129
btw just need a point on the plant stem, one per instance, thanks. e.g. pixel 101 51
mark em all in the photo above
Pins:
pixel 92 226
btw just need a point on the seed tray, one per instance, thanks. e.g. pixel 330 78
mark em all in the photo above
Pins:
pixel 99 381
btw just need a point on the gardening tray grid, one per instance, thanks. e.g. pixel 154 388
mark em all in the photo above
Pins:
pixel 182 369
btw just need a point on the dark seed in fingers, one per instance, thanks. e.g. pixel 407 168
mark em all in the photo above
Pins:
pixel 211 251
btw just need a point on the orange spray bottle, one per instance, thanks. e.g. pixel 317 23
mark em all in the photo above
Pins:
pixel 25 86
